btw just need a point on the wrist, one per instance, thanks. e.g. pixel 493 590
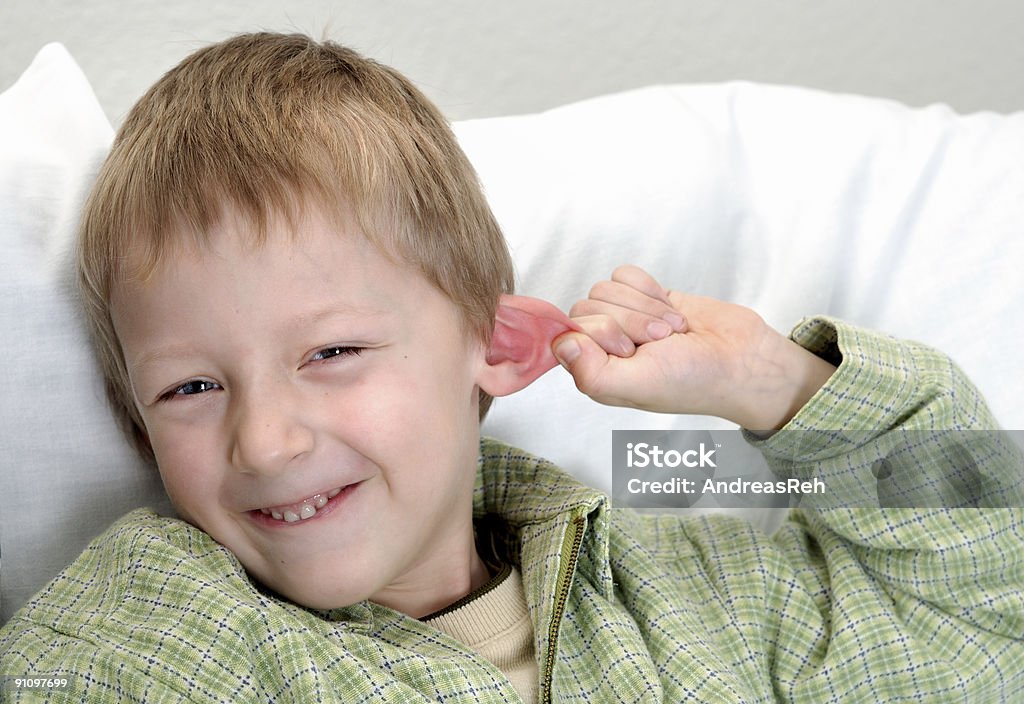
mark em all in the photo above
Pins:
pixel 782 379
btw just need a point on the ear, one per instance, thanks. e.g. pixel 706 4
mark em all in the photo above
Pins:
pixel 520 349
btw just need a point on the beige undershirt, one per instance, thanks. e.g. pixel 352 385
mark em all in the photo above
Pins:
pixel 494 623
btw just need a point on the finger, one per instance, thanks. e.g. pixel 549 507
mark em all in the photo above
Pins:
pixel 638 326
pixel 606 332
pixel 627 295
pixel 637 278
pixel 624 295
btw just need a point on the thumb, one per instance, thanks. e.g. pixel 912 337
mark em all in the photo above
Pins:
pixel 582 358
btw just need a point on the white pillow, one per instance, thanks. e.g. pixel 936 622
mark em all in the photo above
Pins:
pixel 65 470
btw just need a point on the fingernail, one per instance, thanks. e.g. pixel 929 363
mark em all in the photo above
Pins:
pixel 658 329
pixel 567 351
pixel 675 320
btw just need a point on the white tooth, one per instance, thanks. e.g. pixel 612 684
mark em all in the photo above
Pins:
pixel 321 500
pixel 333 492
pixel 277 515
pixel 265 511
pixel 291 516
pixel 307 511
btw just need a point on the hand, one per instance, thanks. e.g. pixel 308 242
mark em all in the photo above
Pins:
pixel 644 346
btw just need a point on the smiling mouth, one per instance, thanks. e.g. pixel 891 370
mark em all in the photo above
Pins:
pixel 303 510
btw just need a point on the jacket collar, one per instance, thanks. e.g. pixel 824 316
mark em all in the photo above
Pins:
pixel 527 492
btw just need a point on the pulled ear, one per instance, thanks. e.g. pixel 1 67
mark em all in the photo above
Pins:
pixel 520 349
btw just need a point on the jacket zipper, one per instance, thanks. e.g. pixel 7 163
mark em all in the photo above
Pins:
pixel 565 574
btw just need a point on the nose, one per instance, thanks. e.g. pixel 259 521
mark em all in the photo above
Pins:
pixel 269 430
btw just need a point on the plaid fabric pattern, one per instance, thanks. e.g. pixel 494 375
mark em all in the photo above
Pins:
pixel 841 605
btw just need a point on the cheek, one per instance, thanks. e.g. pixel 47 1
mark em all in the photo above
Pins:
pixel 407 393
pixel 188 469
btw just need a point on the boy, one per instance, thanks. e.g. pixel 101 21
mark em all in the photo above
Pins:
pixel 303 307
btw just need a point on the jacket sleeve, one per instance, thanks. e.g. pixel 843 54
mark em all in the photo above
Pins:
pixel 69 668
pixel 69 636
pixel 917 544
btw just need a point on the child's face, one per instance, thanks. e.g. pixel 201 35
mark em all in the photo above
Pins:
pixel 269 378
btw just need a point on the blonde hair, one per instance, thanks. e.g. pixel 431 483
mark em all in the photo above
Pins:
pixel 270 124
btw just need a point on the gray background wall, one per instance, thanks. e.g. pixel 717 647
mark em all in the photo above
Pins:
pixel 480 58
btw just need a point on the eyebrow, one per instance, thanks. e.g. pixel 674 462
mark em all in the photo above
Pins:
pixel 300 320
pixel 147 358
pixel 348 311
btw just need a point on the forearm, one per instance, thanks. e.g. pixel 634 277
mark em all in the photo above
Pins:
pixel 899 425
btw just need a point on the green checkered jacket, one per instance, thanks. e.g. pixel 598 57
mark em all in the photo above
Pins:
pixel 842 604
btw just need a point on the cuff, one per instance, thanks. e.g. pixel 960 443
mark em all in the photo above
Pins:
pixel 875 384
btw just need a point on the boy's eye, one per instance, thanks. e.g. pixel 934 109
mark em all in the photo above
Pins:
pixel 190 388
pixel 329 352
